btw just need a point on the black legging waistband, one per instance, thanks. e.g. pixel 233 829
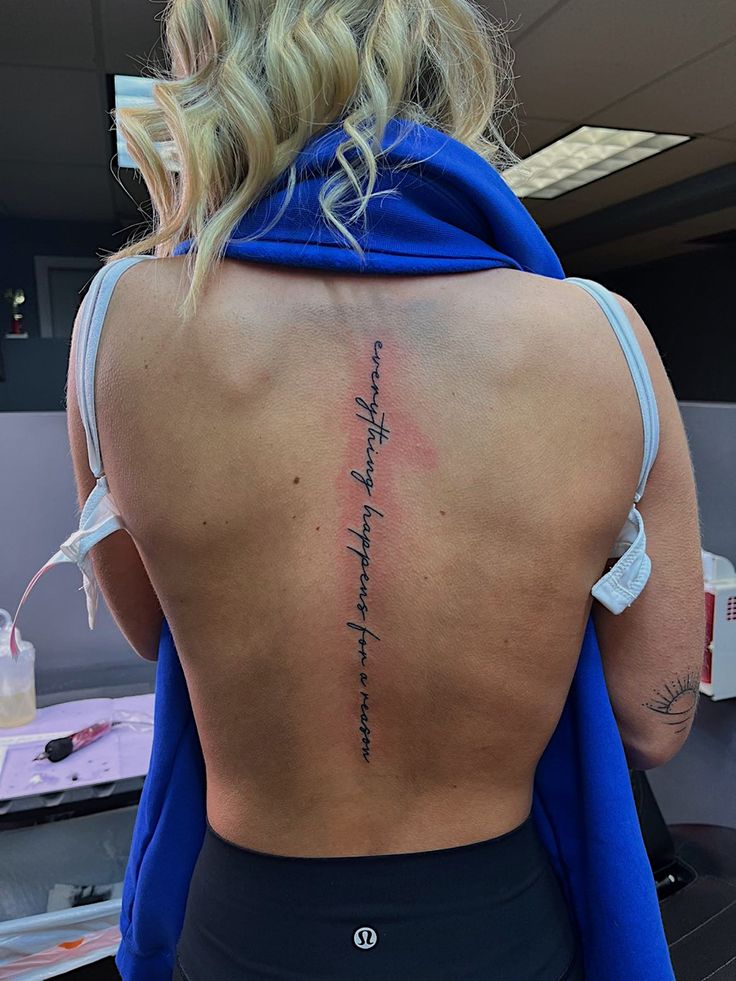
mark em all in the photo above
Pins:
pixel 492 909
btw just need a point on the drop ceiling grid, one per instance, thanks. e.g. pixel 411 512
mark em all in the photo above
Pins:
pixel 684 100
pixel 729 134
pixel 587 56
pixel 675 164
pixel 521 16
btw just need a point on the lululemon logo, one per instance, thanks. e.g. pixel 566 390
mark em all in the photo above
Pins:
pixel 365 938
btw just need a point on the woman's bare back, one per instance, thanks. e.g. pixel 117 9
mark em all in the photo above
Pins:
pixel 372 509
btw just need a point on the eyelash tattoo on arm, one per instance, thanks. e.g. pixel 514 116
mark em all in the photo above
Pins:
pixel 678 701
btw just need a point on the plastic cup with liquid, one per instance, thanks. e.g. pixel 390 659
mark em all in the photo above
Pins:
pixel 17 677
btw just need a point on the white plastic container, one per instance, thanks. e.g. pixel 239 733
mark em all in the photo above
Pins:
pixel 718 678
pixel 17 677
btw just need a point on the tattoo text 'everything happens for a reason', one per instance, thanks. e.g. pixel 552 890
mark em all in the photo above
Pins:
pixel 376 435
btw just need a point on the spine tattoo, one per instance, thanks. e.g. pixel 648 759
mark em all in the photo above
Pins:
pixel 376 434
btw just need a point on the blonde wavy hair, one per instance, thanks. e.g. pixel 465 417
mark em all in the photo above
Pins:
pixel 252 81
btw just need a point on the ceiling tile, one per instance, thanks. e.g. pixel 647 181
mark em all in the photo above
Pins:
pixel 728 133
pixel 520 14
pixel 39 32
pixel 38 191
pixel 686 101
pixel 59 118
pixel 131 35
pixel 588 55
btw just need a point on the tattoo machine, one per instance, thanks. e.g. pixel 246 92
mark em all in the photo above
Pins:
pixel 58 749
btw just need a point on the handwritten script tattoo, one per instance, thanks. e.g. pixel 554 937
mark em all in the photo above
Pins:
pixel 678 701
pixel 377 434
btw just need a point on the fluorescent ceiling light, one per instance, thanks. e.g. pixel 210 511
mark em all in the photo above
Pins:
pixel 583 156
pixel 132 90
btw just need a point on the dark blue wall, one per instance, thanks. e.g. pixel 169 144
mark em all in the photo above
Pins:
pixel 36 368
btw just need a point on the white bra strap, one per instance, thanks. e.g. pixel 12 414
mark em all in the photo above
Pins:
pixel 89 330
pixel 639 372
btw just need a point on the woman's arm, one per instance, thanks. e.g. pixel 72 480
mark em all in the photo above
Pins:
pixel 118 566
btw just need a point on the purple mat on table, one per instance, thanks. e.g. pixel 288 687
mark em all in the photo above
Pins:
pixel 122 752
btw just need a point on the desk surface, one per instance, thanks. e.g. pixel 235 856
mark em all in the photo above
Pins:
pixel 119 755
